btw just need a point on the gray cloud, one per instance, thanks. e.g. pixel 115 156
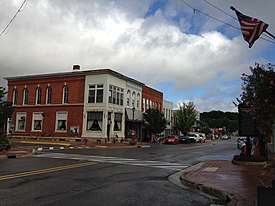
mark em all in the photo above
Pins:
pixel 51 36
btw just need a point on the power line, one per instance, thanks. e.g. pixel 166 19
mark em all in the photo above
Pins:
pixel 220 9
pixel 219 19
pixel 19 10
pixel 233 17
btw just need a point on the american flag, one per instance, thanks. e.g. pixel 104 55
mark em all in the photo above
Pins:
pixel 252 28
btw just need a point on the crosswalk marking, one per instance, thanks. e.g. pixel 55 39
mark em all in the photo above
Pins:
pixel 116 160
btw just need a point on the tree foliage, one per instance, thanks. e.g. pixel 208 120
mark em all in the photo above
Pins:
pixel 186 117
pixel 5 111
pixel 155 121
pixel 220 119
pixel 259 95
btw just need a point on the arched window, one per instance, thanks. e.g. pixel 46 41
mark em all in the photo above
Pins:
pixel 25 96
pixel 15 97
pixel 128 98
pixel 38 95
pixel 65 99
pixel 49 95
pixel 138 101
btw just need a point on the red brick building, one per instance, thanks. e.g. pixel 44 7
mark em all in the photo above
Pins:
pixel 47 105
pixel 151 98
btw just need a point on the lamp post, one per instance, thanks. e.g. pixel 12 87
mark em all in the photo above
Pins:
pixel 133 109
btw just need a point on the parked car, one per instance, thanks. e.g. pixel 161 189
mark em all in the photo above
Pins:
pixel 202 137
pixel 192 137
pixel 185 139
pixel 172 139
pixel 197 137
pixel 225 137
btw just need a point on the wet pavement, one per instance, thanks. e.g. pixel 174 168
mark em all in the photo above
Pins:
pixel 235 183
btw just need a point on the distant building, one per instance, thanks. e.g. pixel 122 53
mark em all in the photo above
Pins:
pixel 168 114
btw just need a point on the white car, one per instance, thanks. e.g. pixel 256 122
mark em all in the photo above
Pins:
pixel 225 137
pixel 199 137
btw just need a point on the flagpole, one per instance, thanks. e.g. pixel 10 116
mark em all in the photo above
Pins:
pixel 270 34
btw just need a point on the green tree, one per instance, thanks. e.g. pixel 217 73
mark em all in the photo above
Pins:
pixel 155 121
pixel 258 93
pixel 258 96
pixel 219 119
pixel 186 117
pixel 5 112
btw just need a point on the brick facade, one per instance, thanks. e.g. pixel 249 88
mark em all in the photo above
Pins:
pixel 74 108
pixel 151 98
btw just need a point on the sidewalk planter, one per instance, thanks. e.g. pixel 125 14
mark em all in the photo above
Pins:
pixel 132 141
pixel 4 144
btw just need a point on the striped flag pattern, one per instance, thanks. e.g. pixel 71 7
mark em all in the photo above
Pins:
pixel 251 28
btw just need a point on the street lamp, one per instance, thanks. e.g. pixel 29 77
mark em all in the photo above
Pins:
pixel 133 109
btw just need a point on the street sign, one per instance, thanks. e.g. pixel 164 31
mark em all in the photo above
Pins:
pixel 247 126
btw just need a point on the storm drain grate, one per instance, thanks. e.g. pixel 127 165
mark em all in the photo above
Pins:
pixel 219 201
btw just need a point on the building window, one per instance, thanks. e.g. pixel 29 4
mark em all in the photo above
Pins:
pixel 133 99
pixel 128 98
pixel 25 96
pixel 95 93
pixel 20 121
pixel 61 121
pixel 65 99
pixel 15 97
pixel 147 104
pixel 115 95
pixel 118 122
pixel 38 95
pixel 143 105
pixel 37 121
pixel 138 100
pixel 94 121
pixel 49 95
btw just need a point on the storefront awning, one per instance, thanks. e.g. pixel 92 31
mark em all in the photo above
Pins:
pixel 138 117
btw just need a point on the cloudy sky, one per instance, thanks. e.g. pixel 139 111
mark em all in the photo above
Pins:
pixel 170 45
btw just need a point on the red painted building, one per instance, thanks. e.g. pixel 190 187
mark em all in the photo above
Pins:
pixel 47 105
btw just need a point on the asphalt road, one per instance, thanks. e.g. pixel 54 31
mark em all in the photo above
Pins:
pixel 135 176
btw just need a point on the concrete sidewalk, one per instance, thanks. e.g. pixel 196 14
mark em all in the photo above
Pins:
pixel 236 184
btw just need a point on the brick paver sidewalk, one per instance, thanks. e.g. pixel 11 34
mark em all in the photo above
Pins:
pixel 239 182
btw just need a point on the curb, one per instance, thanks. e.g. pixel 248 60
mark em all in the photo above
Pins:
pixel 223 195
pixel 248 163
pixel 13 156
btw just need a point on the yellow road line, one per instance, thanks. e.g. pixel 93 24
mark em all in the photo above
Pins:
pixel 42 171
pixel 48 143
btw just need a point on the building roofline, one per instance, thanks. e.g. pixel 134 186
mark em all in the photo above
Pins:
pixel 152 89
pixel 77 73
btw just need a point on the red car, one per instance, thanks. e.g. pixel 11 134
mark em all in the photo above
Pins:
pixel 172 139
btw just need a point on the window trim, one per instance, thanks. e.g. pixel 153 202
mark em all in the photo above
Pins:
pixel 38 118
pixel 38 96
pixel 15 96
pixel 94 99
pixel 65 95
pixel 19 116
pixel 25 96
pixel 49 95
pixel 57 118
